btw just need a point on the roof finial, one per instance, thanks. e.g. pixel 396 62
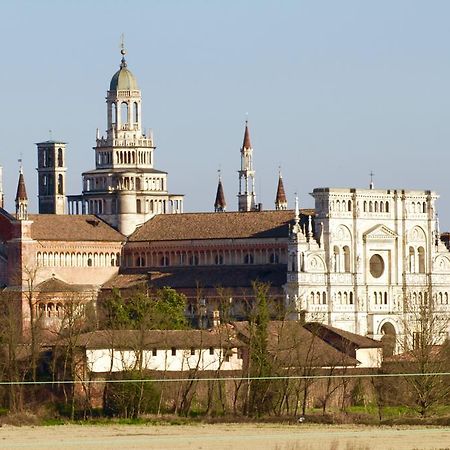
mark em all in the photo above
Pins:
pixel 297 214
pixel 20 164
pixel 371 185
pixel 123 52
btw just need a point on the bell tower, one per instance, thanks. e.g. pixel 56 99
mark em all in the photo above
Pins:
pixel 52 177
pixel 246 195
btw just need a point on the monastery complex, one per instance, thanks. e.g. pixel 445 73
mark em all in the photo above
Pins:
pixel 359 261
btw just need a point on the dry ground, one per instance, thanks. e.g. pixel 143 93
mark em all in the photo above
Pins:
pixel 223 436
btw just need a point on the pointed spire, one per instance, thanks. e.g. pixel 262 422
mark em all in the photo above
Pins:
pixel 123 52
pixel 220 204
pixel 297 213
pixel 280 200
pixel 310 228
pixel 21 197
pixel 246 143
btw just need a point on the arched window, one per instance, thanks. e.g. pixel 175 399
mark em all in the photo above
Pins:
pixel 381 206
pixel 336 259
pixel 424 207
pixel 113 113
pixel 365 206
pixel 370 207
pixel 340 298
pixel 138 206
pixel 60 157
pixel 345 298
pixel 346 259
pixel 376 206
pixel 164 261
pixel 387 206
pixel 218 259
pixel 375 298
pixel 349 205
pixel 324 298
pixel 274 258
pixel 193 260
pixel 421 252
pixel 351 298
pixel 318 298
pixel 248 258
pixel 124 113
pixel 135 112
pixel 385 298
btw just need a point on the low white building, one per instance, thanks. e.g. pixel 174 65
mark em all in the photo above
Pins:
pixel 161 350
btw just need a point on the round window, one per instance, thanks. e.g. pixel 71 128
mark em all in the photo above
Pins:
pixel 376 264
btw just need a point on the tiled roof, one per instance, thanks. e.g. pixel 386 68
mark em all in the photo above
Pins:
pixel 63 227
pixel 226 225
pixel 161 339
pixel 56 285
pixel 292 345
pixel 205 277
pixel 329 334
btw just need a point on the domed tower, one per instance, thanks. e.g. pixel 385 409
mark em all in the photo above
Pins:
pixel 125 189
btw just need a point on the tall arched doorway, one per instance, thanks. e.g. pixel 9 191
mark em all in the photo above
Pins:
pixel 388 339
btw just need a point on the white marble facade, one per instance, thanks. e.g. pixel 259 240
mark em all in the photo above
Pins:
pixel 365 256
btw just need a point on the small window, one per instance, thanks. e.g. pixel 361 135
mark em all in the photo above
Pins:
pixel 240 353
pixel 89 262
pixel 211 350
pixel 174 351
pixel 219 259
pixel 154 352
pixel 192 351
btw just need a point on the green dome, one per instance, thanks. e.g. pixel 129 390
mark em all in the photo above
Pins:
pixel 123 79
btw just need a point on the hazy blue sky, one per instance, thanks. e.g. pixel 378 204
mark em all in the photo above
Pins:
pixel 334 89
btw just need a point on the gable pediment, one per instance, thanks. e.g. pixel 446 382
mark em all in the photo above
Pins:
pixel 379 232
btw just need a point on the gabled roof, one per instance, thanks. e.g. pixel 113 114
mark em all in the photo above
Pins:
pixel 380 232
pixel 64 227
pixel 227 225
pixel 204 277
pixel 57 285
pixel 336 336
pixel 292 345
pixel 160 339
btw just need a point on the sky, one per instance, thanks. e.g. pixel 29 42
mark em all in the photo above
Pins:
pixel 332 90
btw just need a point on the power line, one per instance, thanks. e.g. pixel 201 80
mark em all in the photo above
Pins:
pixel 268 378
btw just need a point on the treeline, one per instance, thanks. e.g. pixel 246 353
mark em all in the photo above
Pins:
pixel 284 371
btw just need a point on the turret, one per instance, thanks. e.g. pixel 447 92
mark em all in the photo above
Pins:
pixel 220 204
pixel 280 200
pixel 21 198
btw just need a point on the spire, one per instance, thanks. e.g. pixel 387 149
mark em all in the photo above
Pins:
pixel 246 143
pixel 280 200
pixel 123 52
pixel 220 205
pixel 21 197
pixel 371 185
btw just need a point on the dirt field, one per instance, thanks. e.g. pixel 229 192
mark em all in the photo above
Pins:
pixel 221 437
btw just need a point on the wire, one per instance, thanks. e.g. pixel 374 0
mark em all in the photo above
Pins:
pixel 272 378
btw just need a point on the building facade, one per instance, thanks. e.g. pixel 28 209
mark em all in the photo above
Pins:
pixel 371 257
pixel 125 189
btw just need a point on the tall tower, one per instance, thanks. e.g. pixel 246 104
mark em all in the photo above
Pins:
pixel 280 200
pixel 2 196
pixel 246 196
pixel 125 189
pixel 52 177
pixel 21 198
pixel 220 205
